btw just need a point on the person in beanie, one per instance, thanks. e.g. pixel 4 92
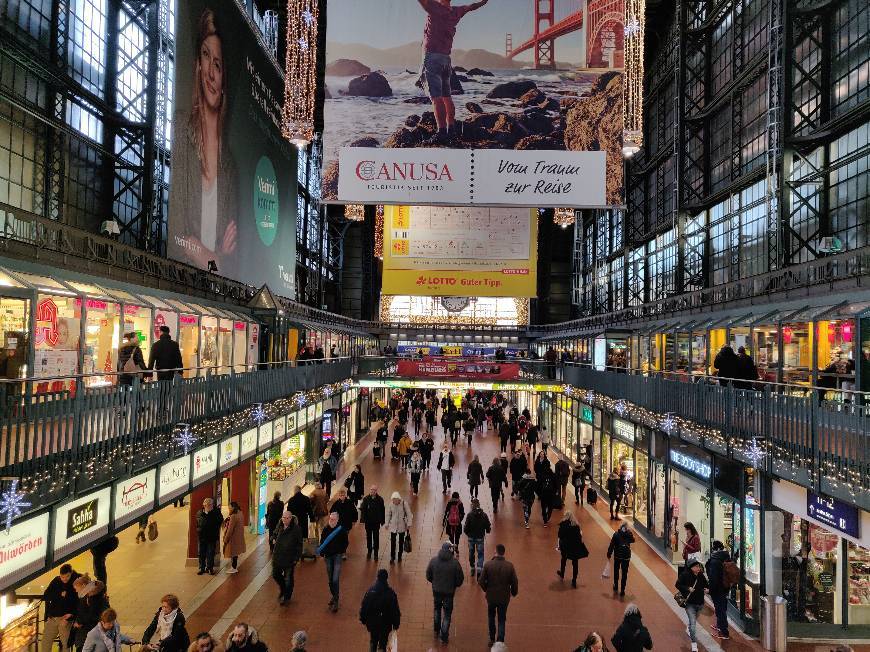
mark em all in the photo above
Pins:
pixel 718 588
pixel 474 476
pixel 527 488
pixel 518 466
pixel 446 460
pixel 477 526
pixel 445 575
pixel 380 612
pixel 692 583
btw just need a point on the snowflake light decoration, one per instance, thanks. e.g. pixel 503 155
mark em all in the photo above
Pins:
pixel 668 423
pixel 755 453
pixel 632 26
pixel 327 391
pixel 308 18
pixel 620 407
pixel 303 45
pixel 258 413
pixel 12 505
pixel 568 390
pixel 300 399
pixel 185 438
pixel 590 397
pixel 346 385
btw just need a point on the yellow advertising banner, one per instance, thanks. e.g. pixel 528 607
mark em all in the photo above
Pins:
pixel 460 251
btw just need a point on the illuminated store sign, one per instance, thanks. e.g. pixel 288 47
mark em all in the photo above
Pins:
pixel 691 464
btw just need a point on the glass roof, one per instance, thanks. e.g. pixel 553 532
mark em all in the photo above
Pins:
pixel 8 281
pixel 809 313
pixel 44 283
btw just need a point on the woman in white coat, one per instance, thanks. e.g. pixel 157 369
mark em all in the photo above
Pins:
pixel 398 522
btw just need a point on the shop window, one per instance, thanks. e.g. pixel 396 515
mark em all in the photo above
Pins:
pixel 623 460
pixel 717 341
pixel 137 319
pixel 606 468
pixel 699 353
pixel 683 353
pixel 188 340
pixel 810 564
pixel 14 316
pixel 727 524
pixel 836 355
pixel 859 585
pixel 797 346
pixel 102 338
pixel 641 479
pixel 225 345
pixel 657 500
pixel 596 460
pixel 752 545
pixel 766 352
pixel 689 503
pixel 208 343
pixel 56 337
pixel 240 346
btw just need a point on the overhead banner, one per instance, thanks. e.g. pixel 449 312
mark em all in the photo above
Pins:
pixel 233 194
pixel 478 370
pixel 460 251
pixel 537 123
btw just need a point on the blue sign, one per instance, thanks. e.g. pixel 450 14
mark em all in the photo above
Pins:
pixel 833 513
pixel 691 464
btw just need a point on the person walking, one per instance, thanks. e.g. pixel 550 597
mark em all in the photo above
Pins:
pixel 356 485
pixel 592 643
pixel 165 356
pixel 325 473
pixel 692 544
pixel 445 575
pixel 418 420
pixel 499 582
pixel 477 526
pixel 106 636
pixel 614 494
pixel 404 449
pixel 747 371
pixel 347 513
pixel 300 506
pixel 415 469
pixel 245 638
pixel 299 640
pixel 208 532
pixel 504 433
pixel 727 365
pixel 61 601
pixel 286 554
pixel 380 612
pixel 454 513
pixel 527 490
pixel 474 476
pixel 234 537
pixel 427 446
pixel 518 466
pixel 505 465
pixel 532 437
pixel 446 460
pixel 547 492
pixel 167 628
pixel 333 545
pixel 631 635
pixel 496 478
pixel 274 511
pixel 319 506
pixel 131 362
pixel 544 438
pixel 571 546
pixel 691 584
pixel 563 473
pixel 99 552
pixel 620 550
pixel 720 586
pixel 373 516
pixel 398 522
pixel 578 481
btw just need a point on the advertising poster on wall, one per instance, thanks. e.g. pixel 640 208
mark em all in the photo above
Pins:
pixel 460 251
pixel 205 463
pixel 81 521
pixel 23 549
pixel 454 103
pixel 229 453
pixel 134 497
pixel 233 192
pixel 477 370
pixel 174 479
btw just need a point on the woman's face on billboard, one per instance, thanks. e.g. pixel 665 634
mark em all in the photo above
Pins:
pixel 211 65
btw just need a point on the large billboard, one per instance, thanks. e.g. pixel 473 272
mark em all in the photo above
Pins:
pixel 440 102
pixel 460 251
pixel 233 189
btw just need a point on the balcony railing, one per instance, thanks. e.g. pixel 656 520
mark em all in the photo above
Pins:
pixel 61 436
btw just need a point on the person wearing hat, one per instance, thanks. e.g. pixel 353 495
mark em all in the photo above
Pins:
pixel 691 583
pixel 380 611
pixel 299 641
pixel 398 522
pixel 445 575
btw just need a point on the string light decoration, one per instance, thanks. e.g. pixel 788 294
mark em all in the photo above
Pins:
pixel 12 505
pixel 632 89
pixel 185 437
pixel 354 212
pixel 379 232
pixel 300 81
pixel 564 217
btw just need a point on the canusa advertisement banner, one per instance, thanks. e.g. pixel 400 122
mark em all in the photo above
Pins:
pixel 459 102
pixel 479 370
pixel 233 191
pixel 460 251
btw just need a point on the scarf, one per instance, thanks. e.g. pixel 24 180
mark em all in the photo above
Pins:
pixel 110 638
pixel 165 623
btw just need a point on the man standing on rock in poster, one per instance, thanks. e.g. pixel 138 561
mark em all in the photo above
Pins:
pixel 435 73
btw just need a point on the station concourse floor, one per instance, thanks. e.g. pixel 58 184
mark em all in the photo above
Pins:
pixel 546 615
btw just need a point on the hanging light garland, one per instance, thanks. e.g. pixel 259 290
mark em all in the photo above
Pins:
pixel 564 217
pixel 632 93
pixel 355 212
pixel 379 232
pixel 300 80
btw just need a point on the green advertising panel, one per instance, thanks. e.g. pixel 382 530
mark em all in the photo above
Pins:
pixel 233 187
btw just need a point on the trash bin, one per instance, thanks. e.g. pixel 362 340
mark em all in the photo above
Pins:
pixel 773 635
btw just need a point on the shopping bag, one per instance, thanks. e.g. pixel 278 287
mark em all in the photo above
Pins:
pixel 152 531
pixel 408 542
pixel 606 572
pixel 393 642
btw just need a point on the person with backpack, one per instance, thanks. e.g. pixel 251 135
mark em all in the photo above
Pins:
pixel 446 460
pixel 722 574
pixel 620 550
pixel 691 584
pixel 445 575
pixel 563 472
pixel 477 526
pixel 631 635
pixel 398 522
pixel 497 478
pixel 578 481
pixel 380 612
pixel 526 489
pixel 468 426
pixel 474 476
pixel 454 513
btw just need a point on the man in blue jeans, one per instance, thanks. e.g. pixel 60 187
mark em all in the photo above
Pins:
pixel 441 22
pixel 477 526
pixel 333 544
pixel 445 575
pixel 720 586
pixel 499 581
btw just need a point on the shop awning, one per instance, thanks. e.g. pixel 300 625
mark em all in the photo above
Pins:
pixel 810 313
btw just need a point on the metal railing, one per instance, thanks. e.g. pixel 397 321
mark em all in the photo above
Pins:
pixel 60 435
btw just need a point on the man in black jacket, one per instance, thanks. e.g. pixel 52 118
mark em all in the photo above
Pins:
pixel 300 506
pixel 165 354
pixel 285 555
pixel 61 602
pixel 477 526
pixel 208 531
pixel 620 550
pixel 346 510
pixel 333 545
pixel 380 612
pixel 497 478
pixel 718 589
pixel 373 516
pixel 518 467
pixel 274 510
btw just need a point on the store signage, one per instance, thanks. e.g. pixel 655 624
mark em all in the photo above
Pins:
pixel 463 387
pixel 318 410
pixel 239 325
pixel 264 439
pixel 312 412
pixel 134 497
pixel 291 423
pixel 23 549
pixel 229 453
pixel 826 580
pixel 691 464
pixel 279 429
pixel 261 500
pixel 586 413
pixel 81 521
pixel 833 513
pixel 623 429
pixel 188 319
pixel 205 463
pixel 326 427
pixel 174 479
pixel 447 368
pixel 249 443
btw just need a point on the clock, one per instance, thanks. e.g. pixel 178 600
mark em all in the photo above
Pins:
pixel 454 304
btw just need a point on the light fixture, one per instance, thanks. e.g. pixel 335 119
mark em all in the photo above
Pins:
pixel 354 212
pixel 632 90
pixel 212 266
pixel 564 217
pixel 300 81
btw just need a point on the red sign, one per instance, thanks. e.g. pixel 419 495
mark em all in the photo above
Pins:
pixel 475 369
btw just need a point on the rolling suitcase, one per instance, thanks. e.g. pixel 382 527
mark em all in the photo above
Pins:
pixel 310 543
pixel 376 452
pixel 591 496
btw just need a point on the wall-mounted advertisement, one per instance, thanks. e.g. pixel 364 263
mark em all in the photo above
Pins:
pixel 264 438
pixel 134 497
pixel 229 453
pixel 174 478
pixel 279 429
pixel 81 521
pixel 425 104
pixel 233 192
pixel 460 251
pixel 249 443
pixel 291 423
pixel 205 463
pixel 23 549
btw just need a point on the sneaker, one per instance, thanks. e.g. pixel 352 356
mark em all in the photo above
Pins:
pixel 282 601
pixel 561 575
pixel 527 526
pixel 720 635
pixel 232 570
pixel 694 647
